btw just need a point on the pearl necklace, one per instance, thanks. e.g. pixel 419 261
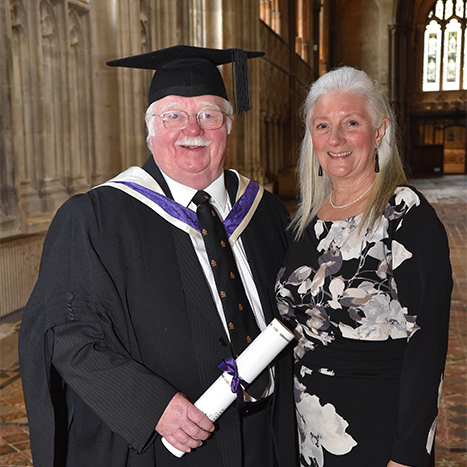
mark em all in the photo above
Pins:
pixel 349 204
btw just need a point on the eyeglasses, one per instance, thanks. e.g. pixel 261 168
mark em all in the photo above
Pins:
pixel 177 120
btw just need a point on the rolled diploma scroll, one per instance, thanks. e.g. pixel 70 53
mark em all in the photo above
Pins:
pixel 250 363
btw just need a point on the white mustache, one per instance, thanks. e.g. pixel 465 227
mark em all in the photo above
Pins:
pixel 193 141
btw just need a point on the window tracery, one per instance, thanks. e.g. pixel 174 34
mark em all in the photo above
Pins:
pixel 444 38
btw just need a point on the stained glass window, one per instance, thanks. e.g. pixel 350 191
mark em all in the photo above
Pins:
pixel 452 55
pixel 448 9
pixel 439 9
pixel 432 57
pixel 460 8
pixel 270 14
pixel 443 61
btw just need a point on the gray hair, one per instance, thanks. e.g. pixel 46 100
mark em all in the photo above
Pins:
pixel 149 117
pixel 315 190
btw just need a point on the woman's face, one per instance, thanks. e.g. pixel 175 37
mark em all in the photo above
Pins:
pixel 344 138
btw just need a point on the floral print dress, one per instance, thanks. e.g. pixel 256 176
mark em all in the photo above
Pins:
pixel 371 312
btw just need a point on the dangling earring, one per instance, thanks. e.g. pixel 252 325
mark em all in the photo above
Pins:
pixel 320 171
pixel 376 161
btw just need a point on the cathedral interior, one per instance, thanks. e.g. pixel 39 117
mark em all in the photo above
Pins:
pixel 69 122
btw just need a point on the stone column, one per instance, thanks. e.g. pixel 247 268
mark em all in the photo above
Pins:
pixel 80 104
pixel 8 200
pixel 107 111
pixel 52 82
pixel 25 100
pixel 240 29
pixel 399 75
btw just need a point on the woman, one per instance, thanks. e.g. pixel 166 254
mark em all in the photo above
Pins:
pixel 366 285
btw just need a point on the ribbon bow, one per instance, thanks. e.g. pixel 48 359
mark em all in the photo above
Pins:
pixel 230 366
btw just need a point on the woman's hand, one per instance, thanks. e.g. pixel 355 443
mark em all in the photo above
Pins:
pixel 395 464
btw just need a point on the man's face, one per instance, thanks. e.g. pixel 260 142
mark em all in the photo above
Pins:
pixel 193 156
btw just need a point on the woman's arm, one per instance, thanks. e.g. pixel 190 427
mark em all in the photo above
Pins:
pixel 422 274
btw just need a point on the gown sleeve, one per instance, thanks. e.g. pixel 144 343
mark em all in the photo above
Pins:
pixel 75 322
pixel 422 274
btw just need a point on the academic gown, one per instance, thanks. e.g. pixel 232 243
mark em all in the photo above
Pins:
pixel 121 319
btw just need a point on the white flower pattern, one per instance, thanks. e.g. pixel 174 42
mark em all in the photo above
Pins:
pixel 362 307
pixel 320 427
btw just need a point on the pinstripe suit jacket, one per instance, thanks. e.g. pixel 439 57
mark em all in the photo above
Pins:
pixel 120 320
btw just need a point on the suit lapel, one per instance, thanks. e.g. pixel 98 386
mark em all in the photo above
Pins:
pixel 253 248
pixel 254 252
pixel 194 283
pixel 192 275
pixel 152 169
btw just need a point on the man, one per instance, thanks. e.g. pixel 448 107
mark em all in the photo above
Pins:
pixel 126 326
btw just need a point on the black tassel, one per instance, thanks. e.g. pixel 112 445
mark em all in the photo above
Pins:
pixel 240 88
pixel 376 161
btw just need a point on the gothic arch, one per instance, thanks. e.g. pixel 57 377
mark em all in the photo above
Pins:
pixel 421 113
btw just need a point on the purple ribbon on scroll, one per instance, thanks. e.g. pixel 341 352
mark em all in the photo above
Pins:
pixel 230 366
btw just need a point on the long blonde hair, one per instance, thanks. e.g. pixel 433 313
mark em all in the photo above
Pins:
pixel 315 189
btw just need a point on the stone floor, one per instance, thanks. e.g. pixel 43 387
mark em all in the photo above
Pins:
pixel 448 194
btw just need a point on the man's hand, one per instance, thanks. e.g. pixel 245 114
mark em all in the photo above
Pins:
pixel 395 464
pixel 183 425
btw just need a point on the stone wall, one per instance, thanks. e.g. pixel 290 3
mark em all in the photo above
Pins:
pixel 69 122
pixel 47 131
pixel 360 36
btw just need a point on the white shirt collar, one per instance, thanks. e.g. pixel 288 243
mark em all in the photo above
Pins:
pixel 183 194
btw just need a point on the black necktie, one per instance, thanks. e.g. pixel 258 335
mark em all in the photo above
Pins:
pixel 238 312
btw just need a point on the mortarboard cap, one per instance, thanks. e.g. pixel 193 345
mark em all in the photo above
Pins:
pixel 188 71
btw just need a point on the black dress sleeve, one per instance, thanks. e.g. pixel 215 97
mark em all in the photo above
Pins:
pixel 422 274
